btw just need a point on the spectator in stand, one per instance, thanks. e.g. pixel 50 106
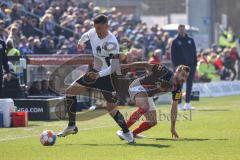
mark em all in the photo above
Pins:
pixel 23 47
pixel 72 46
pixel 57 14
pixel 14 35
pixel 218 63
pixel 216 49
pixel 35 89
pixel 235 58
pixel 30 45
pixel 4 64
pixel 77 31
pixel 66 29
pixel 229 62
pixel 206 69
pixel 12 88
pixel 167 54
pixel 63 50
pixel 37 47
pixel 11 50
pixel 155 58
pixel 47 24
pixel 27 27
pixel 7 18
pixel 3 32
pixel 46 45
pixel 61 41
pixel 3 7
pixel 39 10
pixel 46 90
pixel 16 11
pixel 165 40
pixel 37 31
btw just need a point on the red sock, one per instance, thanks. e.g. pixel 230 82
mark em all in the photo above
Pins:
pixel 142 127
pixel 135 116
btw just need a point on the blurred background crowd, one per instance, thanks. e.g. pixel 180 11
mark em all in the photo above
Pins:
pixel 54 27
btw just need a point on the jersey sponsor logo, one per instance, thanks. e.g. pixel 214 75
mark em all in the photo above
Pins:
pixel 98 49
pixel 109 46
pixel 178 96
pixel 100 53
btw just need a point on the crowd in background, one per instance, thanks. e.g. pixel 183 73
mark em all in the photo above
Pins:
pixel 51 26
pixel 54 27
pixel 218 64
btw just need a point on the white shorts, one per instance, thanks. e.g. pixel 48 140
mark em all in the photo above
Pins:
pixel 135 90
pixel 138 88
pixel 152 106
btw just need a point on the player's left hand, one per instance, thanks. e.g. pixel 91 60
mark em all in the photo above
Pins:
pixel 174 134
pixel 93 75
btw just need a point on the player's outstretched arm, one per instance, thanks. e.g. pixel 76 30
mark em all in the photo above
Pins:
pixel 138 65
pixel 174 111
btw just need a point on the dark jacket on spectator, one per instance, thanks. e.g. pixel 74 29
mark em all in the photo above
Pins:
pixel 34 92
pixel 12 88
pixel 3 62
pixel 28 30
pixel 3 57
pixel 183 51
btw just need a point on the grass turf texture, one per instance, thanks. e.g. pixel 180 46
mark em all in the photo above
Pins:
pixel 213 133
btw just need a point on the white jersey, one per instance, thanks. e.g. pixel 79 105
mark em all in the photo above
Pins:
pixel 101 48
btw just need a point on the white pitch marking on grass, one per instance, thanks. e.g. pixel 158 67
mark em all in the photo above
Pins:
pixel 30 136
pixel 28 129
pixel 14 138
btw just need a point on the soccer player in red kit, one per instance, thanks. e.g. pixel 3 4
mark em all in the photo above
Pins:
pixel 158 80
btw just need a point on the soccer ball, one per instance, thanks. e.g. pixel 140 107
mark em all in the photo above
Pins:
pixel 48 138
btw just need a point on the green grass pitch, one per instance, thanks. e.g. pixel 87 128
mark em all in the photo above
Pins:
pixel 212 132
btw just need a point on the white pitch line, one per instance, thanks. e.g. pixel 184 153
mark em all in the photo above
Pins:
pixel 30 136
pixel 14 138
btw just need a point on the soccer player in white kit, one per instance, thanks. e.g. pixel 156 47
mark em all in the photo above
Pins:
pixel 105 49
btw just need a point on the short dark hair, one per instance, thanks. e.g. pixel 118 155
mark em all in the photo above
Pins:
pixel 100 19
pixel 3 4
pixel 183 68
pixel 181 25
